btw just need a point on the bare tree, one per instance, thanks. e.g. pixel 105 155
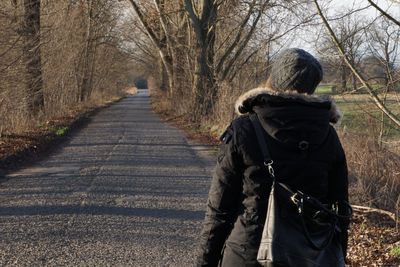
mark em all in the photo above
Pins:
pixel 231 29
pixel 384 39
pixel 32 56
pixel 87 63
pixel 383 43
pixel 374 96
pixel 159 35
pixel 349 31
pixel 171 33
pixel 204 24
pixel 207 43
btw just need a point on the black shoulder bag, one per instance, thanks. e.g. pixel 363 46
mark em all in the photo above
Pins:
pixel 299 230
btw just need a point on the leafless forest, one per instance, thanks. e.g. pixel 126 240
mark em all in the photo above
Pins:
pixel 198 56
pixel 55 55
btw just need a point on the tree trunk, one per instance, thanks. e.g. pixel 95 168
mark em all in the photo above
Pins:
pixel 179 52
pixel 204 81
pixel 354 82
pixel 343 78
pixel 205 87
pixel 32 57
pixel 162 78
pixel 169 70
pixel 85 86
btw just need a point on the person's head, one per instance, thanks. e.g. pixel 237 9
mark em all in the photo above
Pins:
pixel 295 69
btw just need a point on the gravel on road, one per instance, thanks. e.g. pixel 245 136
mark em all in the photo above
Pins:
pixel 126 190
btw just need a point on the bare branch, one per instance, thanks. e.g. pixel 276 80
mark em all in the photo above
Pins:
pixel 244 43
pixel 384 13
pixel 237 37
pixel 142 19
pixel 378 102
pixel 193 16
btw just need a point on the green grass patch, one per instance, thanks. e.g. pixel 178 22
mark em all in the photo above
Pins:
pixel 395 252
pixel 62 131
pixel 363 117
pixel 330 88
pixel 324 89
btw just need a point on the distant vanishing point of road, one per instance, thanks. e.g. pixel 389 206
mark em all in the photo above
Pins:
pixel 126 190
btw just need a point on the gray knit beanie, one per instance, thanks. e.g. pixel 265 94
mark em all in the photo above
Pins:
pixel 295 69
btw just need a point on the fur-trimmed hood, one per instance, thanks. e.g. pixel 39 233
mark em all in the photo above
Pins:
pixel 290 117
pixel 245 103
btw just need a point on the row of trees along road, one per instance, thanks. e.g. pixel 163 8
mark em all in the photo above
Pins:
pixel 202 44
pixel 55 55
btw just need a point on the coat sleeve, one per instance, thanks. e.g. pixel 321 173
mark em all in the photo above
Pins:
pixel 339 192
pixel 223 202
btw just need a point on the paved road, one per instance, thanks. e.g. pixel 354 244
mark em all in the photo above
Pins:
pixel 127 190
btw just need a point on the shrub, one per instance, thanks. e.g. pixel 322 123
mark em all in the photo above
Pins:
pixel 62 131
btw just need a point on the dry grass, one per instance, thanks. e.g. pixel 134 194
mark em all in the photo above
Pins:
pixel 160 102
pixel 223 111
pixel 131 90
pixel 374 173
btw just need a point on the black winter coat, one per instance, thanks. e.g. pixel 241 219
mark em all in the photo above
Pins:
pixel 237 203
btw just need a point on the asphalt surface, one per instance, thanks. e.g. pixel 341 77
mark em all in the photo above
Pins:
pixel 126 190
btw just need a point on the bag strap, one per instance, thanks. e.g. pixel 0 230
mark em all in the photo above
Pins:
pixel 263 145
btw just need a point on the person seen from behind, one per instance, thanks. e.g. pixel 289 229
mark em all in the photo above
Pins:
pixel 306 150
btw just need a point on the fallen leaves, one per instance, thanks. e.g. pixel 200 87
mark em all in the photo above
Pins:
pixel 372 238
